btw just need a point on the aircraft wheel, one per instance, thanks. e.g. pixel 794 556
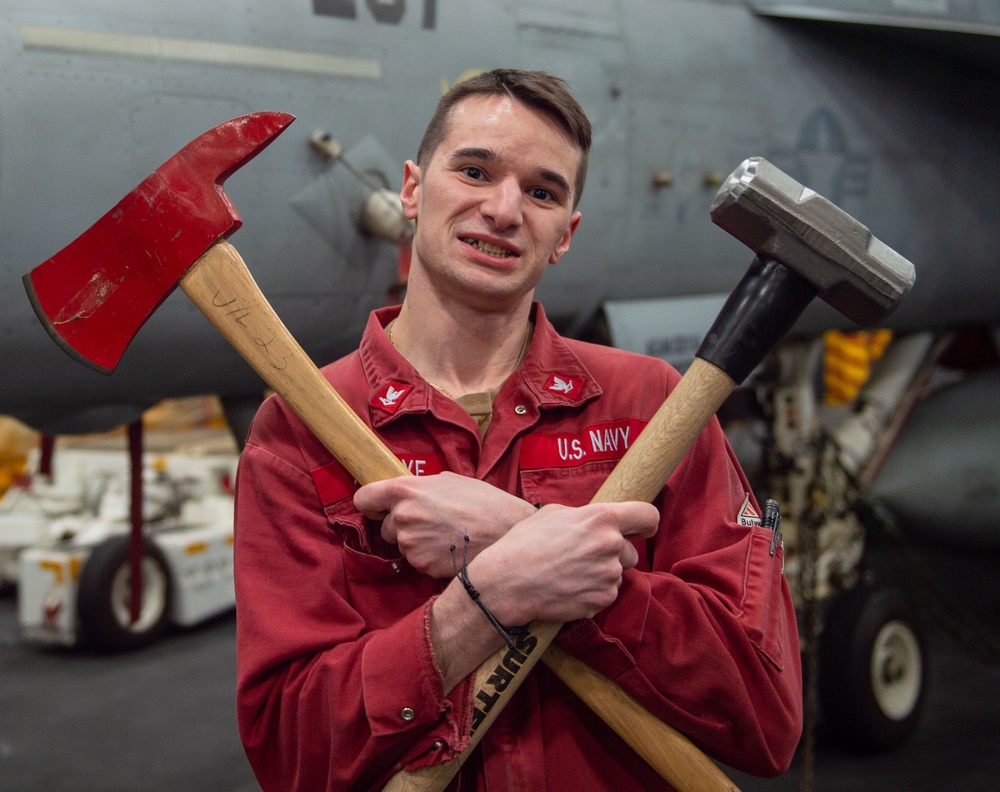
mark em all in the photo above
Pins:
pixel 105 592
pixel 873 669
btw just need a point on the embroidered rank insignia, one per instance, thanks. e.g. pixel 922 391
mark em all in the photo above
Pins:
pixel 747 515
pixel 391 397
pixel 569 387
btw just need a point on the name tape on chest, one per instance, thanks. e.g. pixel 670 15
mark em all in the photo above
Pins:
pixel 334 483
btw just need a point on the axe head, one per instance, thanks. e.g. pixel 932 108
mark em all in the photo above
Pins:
pixel 95 294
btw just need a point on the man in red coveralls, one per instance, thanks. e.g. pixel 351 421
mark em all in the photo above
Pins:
pixel 356 640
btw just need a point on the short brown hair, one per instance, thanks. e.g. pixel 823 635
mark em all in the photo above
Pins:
pixel 536 89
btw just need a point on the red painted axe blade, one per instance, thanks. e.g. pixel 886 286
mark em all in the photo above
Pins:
pixel 95 294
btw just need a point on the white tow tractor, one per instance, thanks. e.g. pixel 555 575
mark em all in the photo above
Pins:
pixel 70 536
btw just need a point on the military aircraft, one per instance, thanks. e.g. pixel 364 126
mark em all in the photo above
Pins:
pixel 883 107
pixel 888 108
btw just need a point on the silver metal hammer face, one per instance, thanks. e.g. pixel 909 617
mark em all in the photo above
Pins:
pixel 779 218
pixel 806 247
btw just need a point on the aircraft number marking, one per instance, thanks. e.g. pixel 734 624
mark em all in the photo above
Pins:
pixel 386 12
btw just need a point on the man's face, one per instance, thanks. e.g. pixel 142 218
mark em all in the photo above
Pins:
pixel 494 203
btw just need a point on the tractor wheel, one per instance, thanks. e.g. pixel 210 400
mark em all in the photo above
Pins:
pixel 104 597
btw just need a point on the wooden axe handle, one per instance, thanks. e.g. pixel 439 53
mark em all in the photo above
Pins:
pixel 222 287
pixel 220 284
pixel 639 475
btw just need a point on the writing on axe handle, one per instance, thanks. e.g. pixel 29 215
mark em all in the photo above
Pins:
pixel 805 247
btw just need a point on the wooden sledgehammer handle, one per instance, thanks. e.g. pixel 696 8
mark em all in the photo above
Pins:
pixel 222 287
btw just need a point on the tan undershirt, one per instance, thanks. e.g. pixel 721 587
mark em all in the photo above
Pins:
pixel 480 407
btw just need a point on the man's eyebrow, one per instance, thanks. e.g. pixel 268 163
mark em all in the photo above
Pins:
pixel 475 152
pixel 555 178
pixel 490 155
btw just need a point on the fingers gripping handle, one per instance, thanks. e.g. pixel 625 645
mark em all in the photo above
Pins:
pixel 225 291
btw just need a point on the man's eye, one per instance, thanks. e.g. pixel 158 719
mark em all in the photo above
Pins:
pixel 540 194
pixel 473 172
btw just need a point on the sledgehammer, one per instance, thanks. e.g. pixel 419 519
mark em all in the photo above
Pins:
pixel 805 247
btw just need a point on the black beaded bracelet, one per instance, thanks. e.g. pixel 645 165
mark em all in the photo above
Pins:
pixel 506 633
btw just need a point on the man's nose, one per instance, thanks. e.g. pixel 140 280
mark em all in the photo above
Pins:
pixel 503 203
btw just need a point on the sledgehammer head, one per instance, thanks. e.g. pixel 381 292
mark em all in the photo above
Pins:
pixel 95 294
pixel 779 219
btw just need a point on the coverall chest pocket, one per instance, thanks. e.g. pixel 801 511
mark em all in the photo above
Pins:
pixel 377 582
pixel 762 611
pixel 569 486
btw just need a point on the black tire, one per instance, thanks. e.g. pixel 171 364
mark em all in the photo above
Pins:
pixel 104 594
pixel 872 669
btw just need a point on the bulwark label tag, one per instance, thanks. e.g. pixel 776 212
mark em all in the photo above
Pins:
pixel 334 483
pixel 595 443
pixel 748 516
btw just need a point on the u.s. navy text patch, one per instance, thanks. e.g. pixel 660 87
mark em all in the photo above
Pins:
pixel 609 440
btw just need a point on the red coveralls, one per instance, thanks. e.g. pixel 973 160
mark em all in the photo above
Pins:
pixel 337 684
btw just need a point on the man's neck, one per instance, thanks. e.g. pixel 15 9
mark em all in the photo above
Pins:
pixel 459 350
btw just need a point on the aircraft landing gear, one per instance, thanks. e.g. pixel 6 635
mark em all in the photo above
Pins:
pixel 872 669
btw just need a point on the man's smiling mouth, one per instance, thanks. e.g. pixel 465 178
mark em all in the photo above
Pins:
pixel 487 248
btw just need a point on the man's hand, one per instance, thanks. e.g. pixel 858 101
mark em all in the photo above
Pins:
pixel 563 563
pixel 558 565
pixel 426 515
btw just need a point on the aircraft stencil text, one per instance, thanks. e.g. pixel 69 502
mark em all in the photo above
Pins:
pixel 386 12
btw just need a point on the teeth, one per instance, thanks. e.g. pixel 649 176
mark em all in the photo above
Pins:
pixel 486 247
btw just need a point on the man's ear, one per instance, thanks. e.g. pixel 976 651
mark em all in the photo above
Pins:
pixel 409 194
pixel 564 241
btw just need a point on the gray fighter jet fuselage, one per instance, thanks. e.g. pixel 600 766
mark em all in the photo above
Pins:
pixel 896 125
